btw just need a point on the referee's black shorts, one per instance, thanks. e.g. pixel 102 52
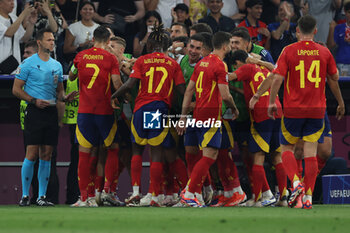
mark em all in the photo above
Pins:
pixel 41 125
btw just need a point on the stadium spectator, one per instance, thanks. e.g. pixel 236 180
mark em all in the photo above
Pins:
pixel 41 121
pixel 341 38
pixel 216 20
pixel 151 18
pixel 163 7
pixel 11 30
pixel 198 10
pixel 122 17
pixel 258 31
pixel 270 10
pixel 323 11
pixel 30 48
pixel 181 14
pixel 49 16
pixel 69 10
pixel 200 27
pixel 233 9
pixel 79 35
pixel 283 32
pixel 299 105
pixel 178 29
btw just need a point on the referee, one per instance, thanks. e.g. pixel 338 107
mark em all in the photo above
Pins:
pixel 38 81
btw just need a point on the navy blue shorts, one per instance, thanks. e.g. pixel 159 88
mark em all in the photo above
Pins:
pixel 264 136
pixel 227 141
pixel 94 130
pixel 307 129
pixel 147 125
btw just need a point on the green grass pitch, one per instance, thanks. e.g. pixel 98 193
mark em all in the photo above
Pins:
pixel 322 218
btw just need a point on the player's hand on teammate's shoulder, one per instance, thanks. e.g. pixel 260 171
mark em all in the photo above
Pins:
pixel 340 112
pixel 272 110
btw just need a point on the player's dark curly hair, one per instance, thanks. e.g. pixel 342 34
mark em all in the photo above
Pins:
pixel 158 40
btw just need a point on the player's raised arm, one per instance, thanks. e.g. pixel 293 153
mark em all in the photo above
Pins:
pixel 265 85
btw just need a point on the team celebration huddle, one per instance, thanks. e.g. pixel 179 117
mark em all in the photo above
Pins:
pixel 187 110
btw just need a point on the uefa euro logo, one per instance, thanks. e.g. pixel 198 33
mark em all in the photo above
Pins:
pixel 151 120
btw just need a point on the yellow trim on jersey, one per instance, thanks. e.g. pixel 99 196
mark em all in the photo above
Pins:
pixel 213 85
pixel 288 82
pixel 109 140
pixel 109 83
pixel 81 139
pixel 288 136
pixel 171 87
pixel 264 146
pixel 229 132
pixel 156 141
pixel 315 136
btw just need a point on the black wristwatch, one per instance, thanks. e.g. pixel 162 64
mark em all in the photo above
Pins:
pixel 33 101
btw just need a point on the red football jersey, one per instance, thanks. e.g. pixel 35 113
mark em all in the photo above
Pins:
pixel 158 75
pixel 305 65
pixel 208 73
pixel 95 67
pixel 252 76
pixel 257 38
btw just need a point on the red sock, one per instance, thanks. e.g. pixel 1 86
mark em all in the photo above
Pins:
pixel 300 168
pixel 199 174
pixel 115 182
pixel 321 163
pixel 248 162
pixel 281 179
pixel 178 168
pixel 191 160
pixel 290 166
pixel 111 168
pixel 136 170
pixel 206 182
pixel 83 174
pixel 93 170
pixel 224 170
pixel 156 171
pixel 258 173
pixel 99 183
pixel 169 179
pixel 310 174
pixel 236 182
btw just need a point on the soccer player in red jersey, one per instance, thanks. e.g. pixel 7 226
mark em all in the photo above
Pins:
pixel 156 75
pixel 98 71
pixel 210 82
pixel 264 132
pixel 304 65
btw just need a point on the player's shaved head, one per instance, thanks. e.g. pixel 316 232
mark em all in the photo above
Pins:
pixel 307 24
pixel 101 34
